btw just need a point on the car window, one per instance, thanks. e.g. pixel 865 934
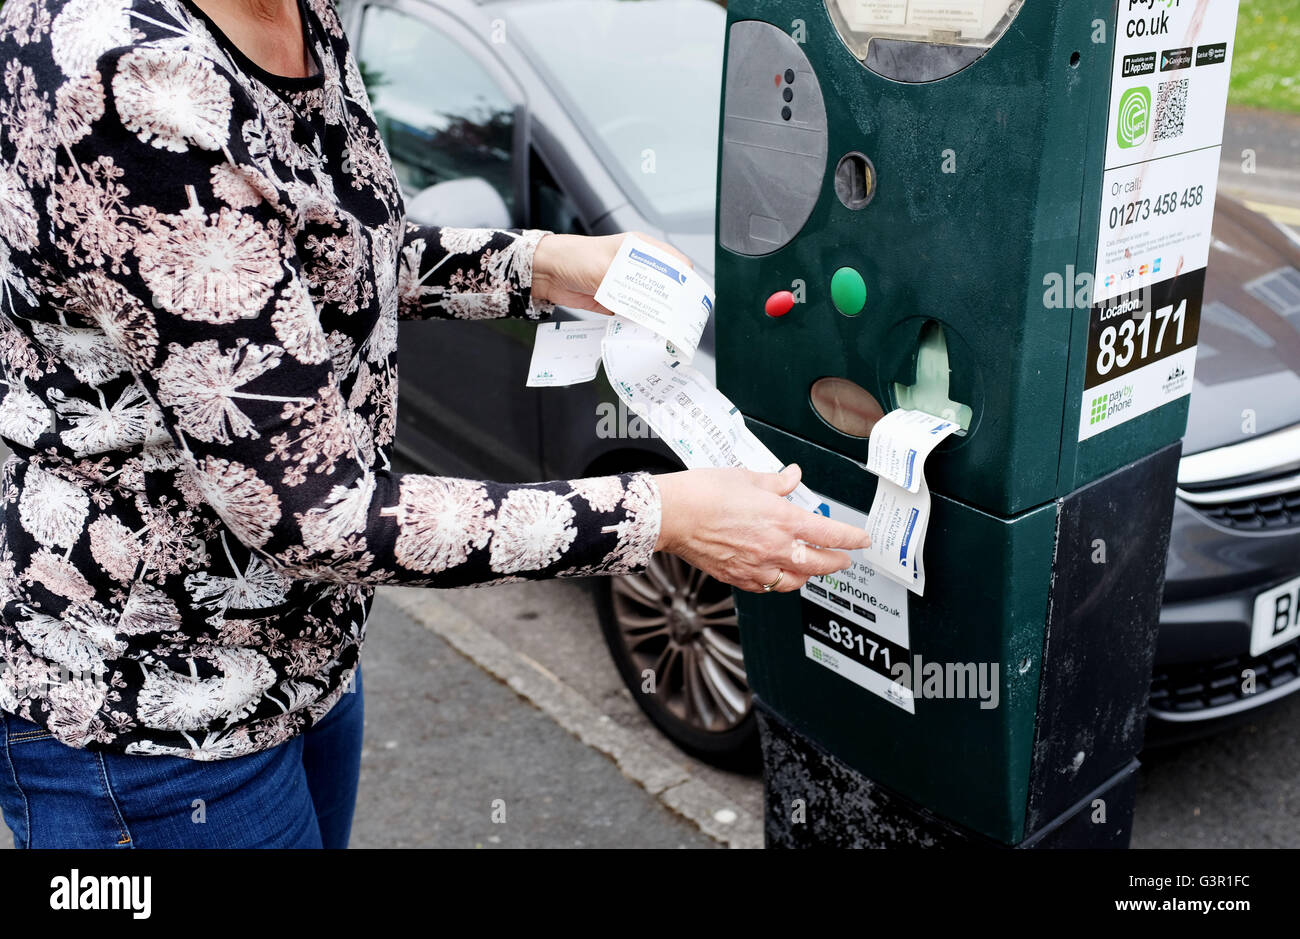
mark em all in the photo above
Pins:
pixel 552 208
pixel 441 114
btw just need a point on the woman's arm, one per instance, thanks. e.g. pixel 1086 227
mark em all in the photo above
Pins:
pixel 484 273
pixel 469 274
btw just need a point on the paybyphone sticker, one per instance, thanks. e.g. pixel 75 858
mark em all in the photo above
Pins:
pixel 855 620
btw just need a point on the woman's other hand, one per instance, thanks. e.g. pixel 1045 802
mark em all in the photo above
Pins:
pixel 736 525
pixel 567 269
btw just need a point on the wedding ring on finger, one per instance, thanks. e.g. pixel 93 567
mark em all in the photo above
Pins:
pixel 768 588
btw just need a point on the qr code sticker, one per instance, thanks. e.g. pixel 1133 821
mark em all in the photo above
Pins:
pixel 1171 108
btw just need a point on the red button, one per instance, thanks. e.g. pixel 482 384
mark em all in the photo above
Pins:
pixel 779 304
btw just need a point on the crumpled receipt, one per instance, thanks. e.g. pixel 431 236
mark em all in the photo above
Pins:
pixel 660 310
pixel 900 515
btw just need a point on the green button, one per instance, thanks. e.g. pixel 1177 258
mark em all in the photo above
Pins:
pixel 848 291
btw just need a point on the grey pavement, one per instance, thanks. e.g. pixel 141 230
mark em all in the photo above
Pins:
pixel 448 745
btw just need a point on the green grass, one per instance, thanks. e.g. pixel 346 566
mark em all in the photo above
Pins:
pixel 1266 59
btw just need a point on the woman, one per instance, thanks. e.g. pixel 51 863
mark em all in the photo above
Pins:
pixel 203 258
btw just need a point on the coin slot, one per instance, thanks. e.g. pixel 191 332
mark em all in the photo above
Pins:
pixel 855 180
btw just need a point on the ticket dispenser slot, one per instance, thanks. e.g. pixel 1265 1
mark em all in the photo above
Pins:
pixel 931 390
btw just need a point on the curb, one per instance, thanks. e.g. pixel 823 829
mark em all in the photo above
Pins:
pixel 672 784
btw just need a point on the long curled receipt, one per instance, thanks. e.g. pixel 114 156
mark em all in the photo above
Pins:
pixel 661 308
pixel 900 443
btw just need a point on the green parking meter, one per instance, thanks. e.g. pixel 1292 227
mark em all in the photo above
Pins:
pixel 997 212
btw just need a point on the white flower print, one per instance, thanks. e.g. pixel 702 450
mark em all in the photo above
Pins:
pixel 75 707
pixel 342 351
pixel 472 305
pixel 173 701
pixel 52 510
pixel 78 104
pixel 642 496
pixel 87 352
pixel 148 610
pixel 87 208
pixel 23 415
pixel 96 427
pixel 245 502
pixel 17 211
pixel 25 20
pixel 439 521
pixel 255 587
pixel 513 262
pixel 114 548
pixel 638 532
pixel 533 529
pixel 79 639
pixel 384 254
pixel 201 383
pixel 12 283
pixel 297 325
pixel 58 575
pixel 27 115
pixel 214 746
pixel 86 29
pixel 464 240
pixel 410 289
pixel 601 492
pixel 126 322
pixel 382 341
pixel 295 695
pixel 217 269
pixel 345 512
pixel 231 185
pixel 172 99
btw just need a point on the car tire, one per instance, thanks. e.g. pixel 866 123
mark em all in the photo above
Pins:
pixel 678 624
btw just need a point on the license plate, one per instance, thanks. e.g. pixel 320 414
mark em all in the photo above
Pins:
pixel 1277 617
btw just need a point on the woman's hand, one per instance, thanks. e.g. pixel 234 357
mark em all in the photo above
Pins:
pixel 736 526
pixel 567 269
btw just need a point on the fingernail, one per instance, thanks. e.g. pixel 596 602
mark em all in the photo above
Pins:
pixel 792 468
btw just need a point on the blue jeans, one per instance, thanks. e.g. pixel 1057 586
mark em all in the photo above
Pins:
pixel 300 794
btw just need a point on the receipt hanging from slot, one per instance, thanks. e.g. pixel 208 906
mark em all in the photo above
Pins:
pixel 900 515
pixel 661 308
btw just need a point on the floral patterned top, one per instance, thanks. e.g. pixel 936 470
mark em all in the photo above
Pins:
pixel 202 267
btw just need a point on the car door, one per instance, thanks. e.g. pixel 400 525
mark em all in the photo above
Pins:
pixel 448 111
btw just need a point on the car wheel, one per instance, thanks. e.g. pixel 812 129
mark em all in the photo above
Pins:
pixel 673 634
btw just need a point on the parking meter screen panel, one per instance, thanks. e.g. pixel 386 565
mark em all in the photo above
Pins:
pixel 921 40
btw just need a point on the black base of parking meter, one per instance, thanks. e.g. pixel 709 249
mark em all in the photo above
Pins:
pixel 1099 643
pixel 816 801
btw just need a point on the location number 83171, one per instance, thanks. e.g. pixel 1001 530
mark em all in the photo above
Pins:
pixel 854 641
pixel 1118 344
